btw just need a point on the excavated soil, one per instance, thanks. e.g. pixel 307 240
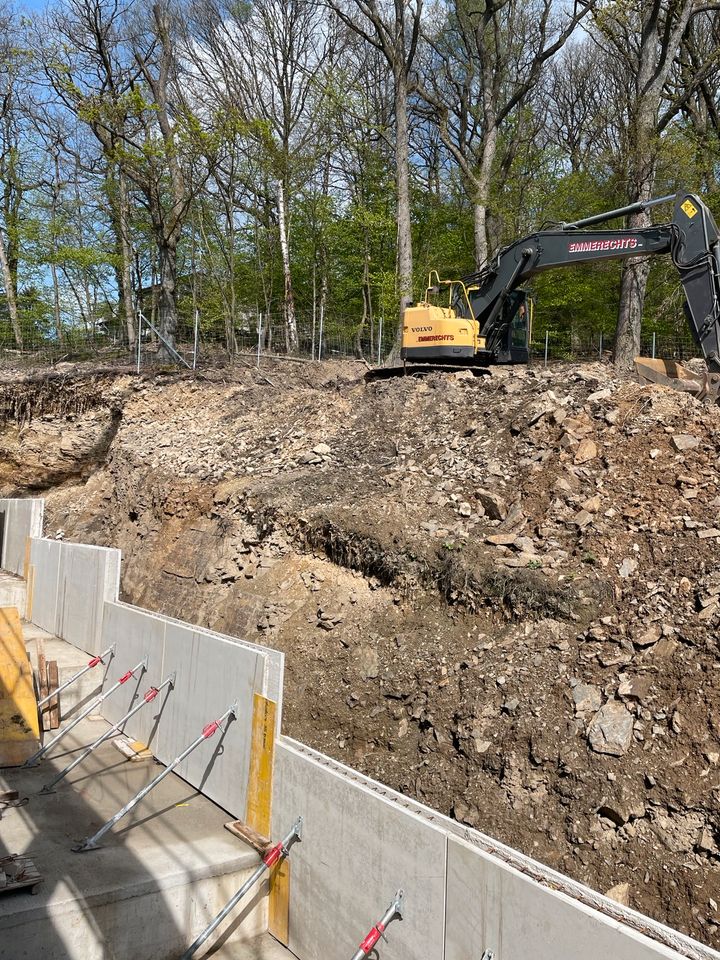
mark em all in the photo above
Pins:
pixel 500 595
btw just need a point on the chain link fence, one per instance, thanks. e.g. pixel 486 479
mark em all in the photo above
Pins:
pixel 203 341
pixel 565 346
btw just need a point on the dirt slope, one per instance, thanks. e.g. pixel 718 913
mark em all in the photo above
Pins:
pixel 500 595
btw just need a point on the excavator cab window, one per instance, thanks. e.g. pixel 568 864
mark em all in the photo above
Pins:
pixel 518 314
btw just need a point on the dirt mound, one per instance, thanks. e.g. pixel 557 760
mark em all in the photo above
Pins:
pixel 500 595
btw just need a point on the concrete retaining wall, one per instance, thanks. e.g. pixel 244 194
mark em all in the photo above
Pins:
pixel 362 841
pixel 21 520
pixel 211 673
pixel 71 583
pixel 465 893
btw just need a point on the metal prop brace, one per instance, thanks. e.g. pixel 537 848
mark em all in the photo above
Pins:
pixel 91 843
pixel 76 676
pixel 394 910
pixel 273 856
pixel 31 761
pixel 148 698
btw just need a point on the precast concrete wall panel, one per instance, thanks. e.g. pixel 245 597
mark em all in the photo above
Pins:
pixel 491 906
pixel 211 674
pixel 88 577
pixel 274 669
pixel 357 850
pixel 45 559
pixel 136 634
pixel 23 519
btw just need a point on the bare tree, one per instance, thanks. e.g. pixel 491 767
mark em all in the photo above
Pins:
pixel 275 89
pixel 13 172
pixel 645 36
pixel 393 27
pixel 485 63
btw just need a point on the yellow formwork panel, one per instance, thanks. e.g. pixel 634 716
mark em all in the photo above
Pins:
pixel 19 722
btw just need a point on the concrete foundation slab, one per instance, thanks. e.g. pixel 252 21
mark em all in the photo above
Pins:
pixel 491 906
pixel 160 877
pixel 357 850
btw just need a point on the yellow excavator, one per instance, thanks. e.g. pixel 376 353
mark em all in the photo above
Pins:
pixel 486 318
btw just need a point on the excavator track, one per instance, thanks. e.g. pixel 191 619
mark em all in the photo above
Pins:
pixel 422 370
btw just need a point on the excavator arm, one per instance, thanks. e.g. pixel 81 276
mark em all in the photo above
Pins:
pixel 691 238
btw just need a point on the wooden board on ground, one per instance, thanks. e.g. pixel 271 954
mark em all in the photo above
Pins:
pixel 53 681
pixel 19 722
pixel 16 872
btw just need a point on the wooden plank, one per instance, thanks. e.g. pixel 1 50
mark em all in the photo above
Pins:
pixel 262 753
pixel 26 565
pixel 53 679
pixel 42 682
pixel 279 903
pixel 19 722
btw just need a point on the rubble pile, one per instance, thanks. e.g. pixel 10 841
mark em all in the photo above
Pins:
pixel 499 594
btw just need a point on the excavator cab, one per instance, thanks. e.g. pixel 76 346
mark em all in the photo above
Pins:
pixel 441 327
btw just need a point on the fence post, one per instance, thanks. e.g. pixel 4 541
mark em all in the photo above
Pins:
pixel 259 329
pixel 139 337
pixel 380 340
pixel 547 340
pixel 653 346
pixel 196 337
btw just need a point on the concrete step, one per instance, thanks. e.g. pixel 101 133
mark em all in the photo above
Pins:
pixel 13 592
pixel 157 881
pixel 262 948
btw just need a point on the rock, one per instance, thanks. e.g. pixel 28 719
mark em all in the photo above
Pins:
pixel 684 441
pixel 620 893
pixel 466 813
pixel 582 519
pixel 465 510
pixel 368 662
pixel 627 567
pixel 611 729
pixel 322 449
pixel 586 451
pixel 493 504
pixel 586 697
pixel 648 637
pixel 501 539
pixel 707 843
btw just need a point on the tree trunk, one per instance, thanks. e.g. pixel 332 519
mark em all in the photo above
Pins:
pixel 291 335
pixel 10 294
pixel 635 272
pixel 56 303
pixel 167 303
pixel 402 176
pixel 126 252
